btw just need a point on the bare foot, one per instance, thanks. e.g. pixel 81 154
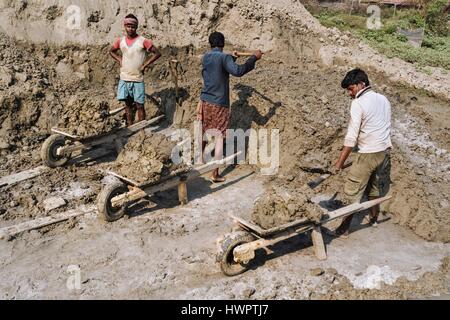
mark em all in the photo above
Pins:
pixel 217 179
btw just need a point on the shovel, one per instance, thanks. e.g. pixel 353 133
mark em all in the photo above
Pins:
pixel 238 54
pixel 326 174
pixel 242 54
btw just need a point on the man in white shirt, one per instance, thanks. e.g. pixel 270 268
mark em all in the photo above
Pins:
pixel 370 131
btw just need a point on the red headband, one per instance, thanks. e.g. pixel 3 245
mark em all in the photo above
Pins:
pixel 132 21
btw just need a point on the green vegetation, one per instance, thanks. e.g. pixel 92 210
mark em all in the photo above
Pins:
pixel 436 18
pixel 435 50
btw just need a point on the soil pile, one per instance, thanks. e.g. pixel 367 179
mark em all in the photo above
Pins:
pixel 277 207
pixel 281 25
pixel 148 158
pixel 23 82
pixel 88 116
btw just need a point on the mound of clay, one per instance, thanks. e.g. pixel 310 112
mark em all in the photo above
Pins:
pixel 87 116
pixel 278 207
pixel 147 158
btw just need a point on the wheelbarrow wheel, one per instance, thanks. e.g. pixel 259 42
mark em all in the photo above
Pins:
pixel 49 149
pixel 107 211
pixel 225 256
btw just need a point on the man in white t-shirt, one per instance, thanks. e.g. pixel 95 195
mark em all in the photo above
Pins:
pixel 370 131
pixel 133 64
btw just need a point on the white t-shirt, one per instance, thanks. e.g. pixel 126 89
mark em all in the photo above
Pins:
pixel 370 124
pixel 134 53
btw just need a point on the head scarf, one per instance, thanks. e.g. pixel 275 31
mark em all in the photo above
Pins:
pixel 130 21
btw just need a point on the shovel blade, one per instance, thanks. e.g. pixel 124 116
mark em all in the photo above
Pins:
pixel 314 183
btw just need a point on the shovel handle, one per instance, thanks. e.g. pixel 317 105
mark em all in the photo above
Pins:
pixel 243 54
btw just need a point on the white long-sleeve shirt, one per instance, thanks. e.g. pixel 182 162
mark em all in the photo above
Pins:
pixel 370 124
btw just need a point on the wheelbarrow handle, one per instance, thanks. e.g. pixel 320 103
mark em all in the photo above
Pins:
pixel 115 111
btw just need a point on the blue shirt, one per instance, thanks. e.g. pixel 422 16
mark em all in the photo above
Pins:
pixel 217 67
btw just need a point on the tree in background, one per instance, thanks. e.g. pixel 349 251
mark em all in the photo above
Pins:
pixel 436 17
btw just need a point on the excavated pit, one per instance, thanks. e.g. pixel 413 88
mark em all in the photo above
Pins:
pixel 312 121
pixel 295 88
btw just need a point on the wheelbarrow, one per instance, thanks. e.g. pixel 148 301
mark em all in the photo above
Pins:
pixel 237 249
pixel 114 198
pixel 58 148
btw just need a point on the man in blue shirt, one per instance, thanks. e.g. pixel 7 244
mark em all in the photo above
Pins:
pixel 214 106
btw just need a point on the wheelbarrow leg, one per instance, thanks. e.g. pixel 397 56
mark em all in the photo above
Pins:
pixel 182 192
pixel 319 245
